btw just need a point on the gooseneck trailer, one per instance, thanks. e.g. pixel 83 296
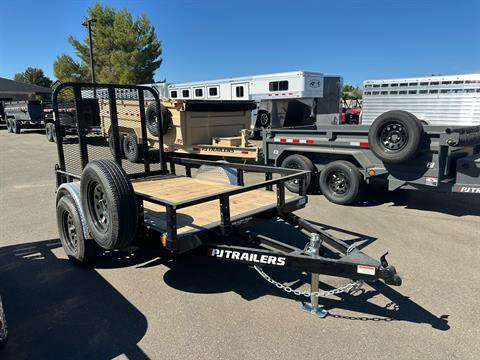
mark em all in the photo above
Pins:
pixel 104 202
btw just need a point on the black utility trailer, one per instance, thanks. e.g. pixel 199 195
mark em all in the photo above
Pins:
pixel 106 202
pixel 396 151
pixel 20 115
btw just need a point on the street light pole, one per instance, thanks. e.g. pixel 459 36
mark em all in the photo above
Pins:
pixel 88 24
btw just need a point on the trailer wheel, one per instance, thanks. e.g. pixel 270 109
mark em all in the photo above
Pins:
pixel 121 137
pixel 151 116
pixel 70 230
pixel 395 136
pixel 340 182
pixel 49 129
pixel 263 119
pixel 16 127
pixel 110 204
pixel 9 126
pixel 299 162
pixel 132 149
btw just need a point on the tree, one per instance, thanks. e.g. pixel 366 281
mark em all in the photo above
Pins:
pixel 351 91
pixel 126 51
pixel 34 76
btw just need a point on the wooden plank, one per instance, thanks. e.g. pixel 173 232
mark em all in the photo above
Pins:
pixel 203 215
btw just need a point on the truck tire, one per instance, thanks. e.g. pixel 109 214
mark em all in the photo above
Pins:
pixel 299 162
pixel 340 182
pixel 132 149
pixel 395 136
pixel 151 117
pixel 110 144
pixel 110 205
pixel 9 125
pixel 16 127
pixel 70 230
pixel 49 130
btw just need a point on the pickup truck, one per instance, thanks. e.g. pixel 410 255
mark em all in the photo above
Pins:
pixel 396 151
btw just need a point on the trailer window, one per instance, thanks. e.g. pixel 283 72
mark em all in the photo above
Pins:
pixel 368 86
pixel 402 92
pixel 393 92
pixel 368 93
pixel 185 93
pixel 412 91
pixel 413 84
pixel 239 91
pixel 394 85
pixel 376 85
pixel 384 93
pixel 278 85
pixel 173 94
pixel 423 92
pixel 478 90
pixel 433 91
pixel 424 83
pixel 213 91
pixel 434 83
pixel 198 92
pixel 444 91
pixel 403 84
pixel 384 85
pixel 458 82
pixel 375 93
pixel 446 82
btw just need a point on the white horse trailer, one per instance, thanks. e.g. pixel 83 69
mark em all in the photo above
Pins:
pixel 452 100
pixel 284 99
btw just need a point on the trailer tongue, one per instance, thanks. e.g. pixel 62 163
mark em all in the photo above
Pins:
pixel 106 202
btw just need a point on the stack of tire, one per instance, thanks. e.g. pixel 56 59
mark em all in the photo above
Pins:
pixel 394 137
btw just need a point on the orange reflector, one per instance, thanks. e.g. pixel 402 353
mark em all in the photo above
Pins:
pixel 371 172
pixel 163 240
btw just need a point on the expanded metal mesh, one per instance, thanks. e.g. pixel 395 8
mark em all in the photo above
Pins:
pixel 114 122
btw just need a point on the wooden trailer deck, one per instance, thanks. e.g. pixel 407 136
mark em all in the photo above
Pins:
pixel 205 215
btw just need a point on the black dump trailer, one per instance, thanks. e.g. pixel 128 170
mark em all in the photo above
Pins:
pixel 20 115
pixel 104 203
pixel 396 151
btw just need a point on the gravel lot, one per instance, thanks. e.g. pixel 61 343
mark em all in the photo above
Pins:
pixel 143 305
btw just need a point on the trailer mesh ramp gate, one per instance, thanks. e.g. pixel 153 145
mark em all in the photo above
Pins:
pixel 180 212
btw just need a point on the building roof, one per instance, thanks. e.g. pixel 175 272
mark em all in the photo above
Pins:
pixel 10 86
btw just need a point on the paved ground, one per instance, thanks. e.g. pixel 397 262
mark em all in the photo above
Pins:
pixel 142 305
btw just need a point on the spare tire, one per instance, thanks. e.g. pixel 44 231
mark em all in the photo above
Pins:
pixel 395 136
pixel 151 118
pixel 110 205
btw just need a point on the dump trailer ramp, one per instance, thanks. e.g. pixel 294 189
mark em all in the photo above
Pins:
pixel 213 219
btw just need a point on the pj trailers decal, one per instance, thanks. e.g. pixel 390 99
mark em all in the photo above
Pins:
pixel 467 189
pixel 246 256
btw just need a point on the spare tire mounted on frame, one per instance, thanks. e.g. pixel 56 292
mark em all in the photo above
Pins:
pixel 395 136
pixel 151 116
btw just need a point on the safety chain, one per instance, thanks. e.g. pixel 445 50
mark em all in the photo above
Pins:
pixel 351 287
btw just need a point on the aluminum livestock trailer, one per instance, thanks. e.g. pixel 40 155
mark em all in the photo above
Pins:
pixel 450 100
pixel 104 202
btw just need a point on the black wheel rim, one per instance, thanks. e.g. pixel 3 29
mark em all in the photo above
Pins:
pixel 263 119
pixel 130 146
pixel 98 207
pixel 393 136
pixel 295 166
pixel 153 120
pixel 338 183
pixel 69 231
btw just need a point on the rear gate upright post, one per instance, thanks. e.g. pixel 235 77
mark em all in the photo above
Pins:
pixel 313 308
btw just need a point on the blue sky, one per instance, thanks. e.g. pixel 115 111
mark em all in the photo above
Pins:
pixel 358 39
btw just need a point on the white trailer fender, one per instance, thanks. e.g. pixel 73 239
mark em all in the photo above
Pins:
pixel 73 189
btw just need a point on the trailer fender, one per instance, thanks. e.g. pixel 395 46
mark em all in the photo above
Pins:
pixel 73 189
pixel 360 158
